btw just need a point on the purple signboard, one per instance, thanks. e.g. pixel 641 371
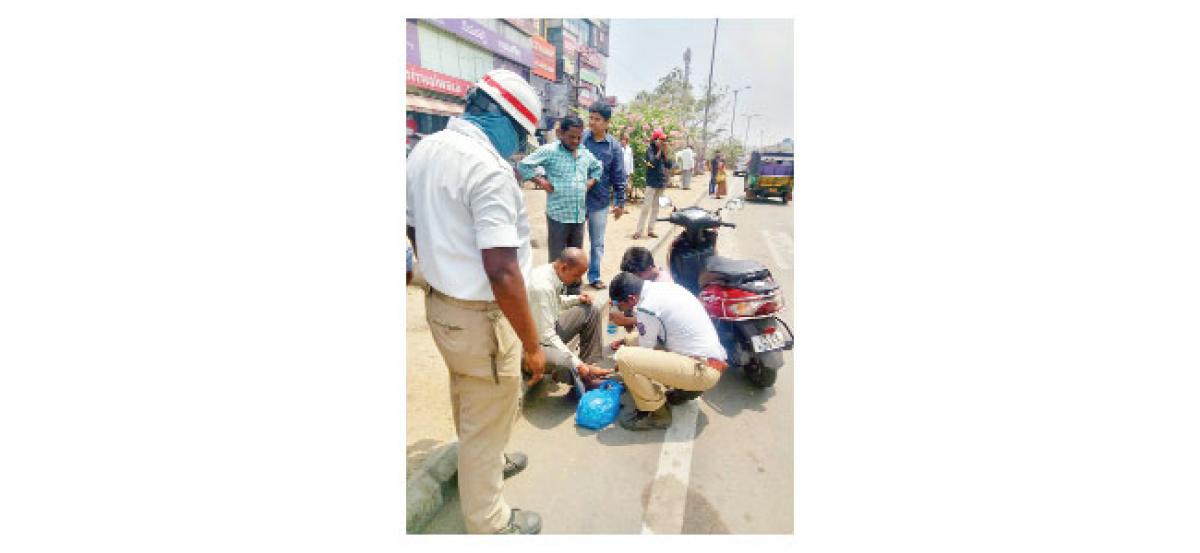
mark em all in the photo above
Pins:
pixel 526 26
pixel 487 38
pixel 414 46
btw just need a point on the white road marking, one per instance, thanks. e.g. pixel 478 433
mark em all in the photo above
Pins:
pixel 777 243
pixel 668 492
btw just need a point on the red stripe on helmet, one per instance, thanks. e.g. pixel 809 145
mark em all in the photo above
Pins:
pixel 511 99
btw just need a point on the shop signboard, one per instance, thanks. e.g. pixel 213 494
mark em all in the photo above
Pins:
pixel 589 76
pixel 585 97
pixel 526 26
pixel 419 77
pixel 474 32
pixel 591 58
pixel 544 59
pixel 570 45
pixel 414 45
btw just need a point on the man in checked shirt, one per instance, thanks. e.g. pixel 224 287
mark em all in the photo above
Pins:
pixel 570 171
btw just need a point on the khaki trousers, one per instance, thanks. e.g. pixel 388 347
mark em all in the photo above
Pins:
pixel 483 355
pixel 646 370
pixel 649 211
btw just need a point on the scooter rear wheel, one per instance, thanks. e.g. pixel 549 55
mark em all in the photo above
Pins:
pixel 759 375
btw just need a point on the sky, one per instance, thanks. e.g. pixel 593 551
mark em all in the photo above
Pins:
pixel 750 52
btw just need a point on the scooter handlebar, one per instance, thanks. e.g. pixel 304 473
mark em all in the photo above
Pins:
pixel 730 225
pixel 664 219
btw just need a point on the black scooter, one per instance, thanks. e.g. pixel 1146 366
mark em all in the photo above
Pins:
pixel 740 296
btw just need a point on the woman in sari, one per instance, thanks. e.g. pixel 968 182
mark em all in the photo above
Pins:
pixel 720 175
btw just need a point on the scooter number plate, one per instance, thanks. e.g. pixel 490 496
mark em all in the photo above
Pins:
pixel 767 342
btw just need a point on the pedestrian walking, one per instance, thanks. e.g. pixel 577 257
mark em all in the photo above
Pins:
pixel 658 163
pixel 693 359
pixel 609 191
pixel 716 181
pixel 569 171
pixel 466 218
pixel 686 159
pixel 722 177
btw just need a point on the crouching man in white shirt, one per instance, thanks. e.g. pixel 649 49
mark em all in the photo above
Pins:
pixel 560 318
pixel 693 360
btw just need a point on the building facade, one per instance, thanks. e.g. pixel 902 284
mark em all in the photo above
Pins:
pixel 565 60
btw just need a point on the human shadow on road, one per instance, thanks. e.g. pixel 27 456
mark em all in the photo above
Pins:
pixel 546 405
pixel 734 393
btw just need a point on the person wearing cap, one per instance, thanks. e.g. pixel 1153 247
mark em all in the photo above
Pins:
pixel 610 189
pixel 692 358
pixel 467 221
pixel 658 165
pixel 566 172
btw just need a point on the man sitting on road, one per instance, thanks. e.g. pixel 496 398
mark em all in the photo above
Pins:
pixel 694 358
pixel 560 318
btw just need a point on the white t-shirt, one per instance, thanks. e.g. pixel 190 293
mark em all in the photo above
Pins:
pixel 628 153
pixel 463 198
pixel 668 309
pixel 686 158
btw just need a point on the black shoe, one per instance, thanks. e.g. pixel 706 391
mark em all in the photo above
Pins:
pixel 522 522
pixel 679 397
pixel 646 420
pixel 514 462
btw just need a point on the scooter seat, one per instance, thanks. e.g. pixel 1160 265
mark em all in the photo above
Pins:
pixel 739 270
pixel 750 276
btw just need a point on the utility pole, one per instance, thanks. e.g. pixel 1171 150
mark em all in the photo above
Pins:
pixel 746 135
pixel 708 92
pixel 733 118
pixel 683 94
pixel 687 69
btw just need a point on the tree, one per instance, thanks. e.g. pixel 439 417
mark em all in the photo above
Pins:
pixel 669 106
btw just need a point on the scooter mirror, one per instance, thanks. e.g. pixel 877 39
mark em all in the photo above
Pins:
pixel 664 201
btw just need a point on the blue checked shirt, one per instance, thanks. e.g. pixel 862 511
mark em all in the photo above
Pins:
pixel 568 174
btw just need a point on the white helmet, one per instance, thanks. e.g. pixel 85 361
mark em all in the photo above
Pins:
pixel 514 95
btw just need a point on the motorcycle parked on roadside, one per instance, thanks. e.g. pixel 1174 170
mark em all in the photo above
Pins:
pixel 741 297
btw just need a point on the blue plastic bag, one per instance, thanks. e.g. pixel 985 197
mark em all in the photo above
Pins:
pixel 599 408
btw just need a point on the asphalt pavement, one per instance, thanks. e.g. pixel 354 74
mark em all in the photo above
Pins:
pixel 729 471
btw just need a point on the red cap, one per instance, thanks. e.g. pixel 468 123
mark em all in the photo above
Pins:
pixel 657 134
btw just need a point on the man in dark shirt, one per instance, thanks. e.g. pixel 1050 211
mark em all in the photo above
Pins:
pixel 610 189
pixel 658 164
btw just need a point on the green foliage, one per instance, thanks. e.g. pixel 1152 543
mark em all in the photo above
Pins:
pixel 672 107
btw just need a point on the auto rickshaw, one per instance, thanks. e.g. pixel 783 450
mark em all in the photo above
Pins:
pixel 770 175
